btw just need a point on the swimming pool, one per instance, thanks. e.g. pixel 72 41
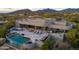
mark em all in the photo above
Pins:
pixel 17 39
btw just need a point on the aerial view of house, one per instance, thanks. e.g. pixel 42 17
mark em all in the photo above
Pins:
pixel 39 30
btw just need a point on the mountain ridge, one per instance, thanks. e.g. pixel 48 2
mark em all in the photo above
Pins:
pixel 48 10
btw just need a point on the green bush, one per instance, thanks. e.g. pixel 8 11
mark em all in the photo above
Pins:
pixel 48 45
pixel 2 32
pixel 72 34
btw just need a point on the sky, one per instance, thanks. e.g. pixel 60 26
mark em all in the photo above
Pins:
pixel 13 5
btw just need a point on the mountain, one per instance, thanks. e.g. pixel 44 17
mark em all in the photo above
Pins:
pixel 23 11
pixel 47 11
pixel 70 10
pixel 28 12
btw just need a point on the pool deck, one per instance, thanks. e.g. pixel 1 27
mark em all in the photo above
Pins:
pixel 32 35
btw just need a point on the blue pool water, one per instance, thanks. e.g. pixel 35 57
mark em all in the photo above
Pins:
pixel 18 39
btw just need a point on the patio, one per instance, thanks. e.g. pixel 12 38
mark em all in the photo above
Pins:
pixel 36 35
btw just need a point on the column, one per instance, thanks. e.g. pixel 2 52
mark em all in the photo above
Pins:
pixel 35 28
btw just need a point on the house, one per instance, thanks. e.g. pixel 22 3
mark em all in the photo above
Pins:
pixel 36 30
pixel 45 24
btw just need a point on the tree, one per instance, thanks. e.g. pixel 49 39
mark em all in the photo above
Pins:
pixel 77 26
pixel 72 34
pixel 46 15
pixel 5 27
pixel 76 43
pixel 73 37
pixel 48 45
pixel 9 24
pixel 2 32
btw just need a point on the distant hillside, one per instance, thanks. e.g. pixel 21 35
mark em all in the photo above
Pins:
pixel 47 11
pixel 23 11
pixel 70 10
pixel 27 11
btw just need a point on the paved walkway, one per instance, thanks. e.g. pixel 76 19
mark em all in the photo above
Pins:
pixel 7 47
